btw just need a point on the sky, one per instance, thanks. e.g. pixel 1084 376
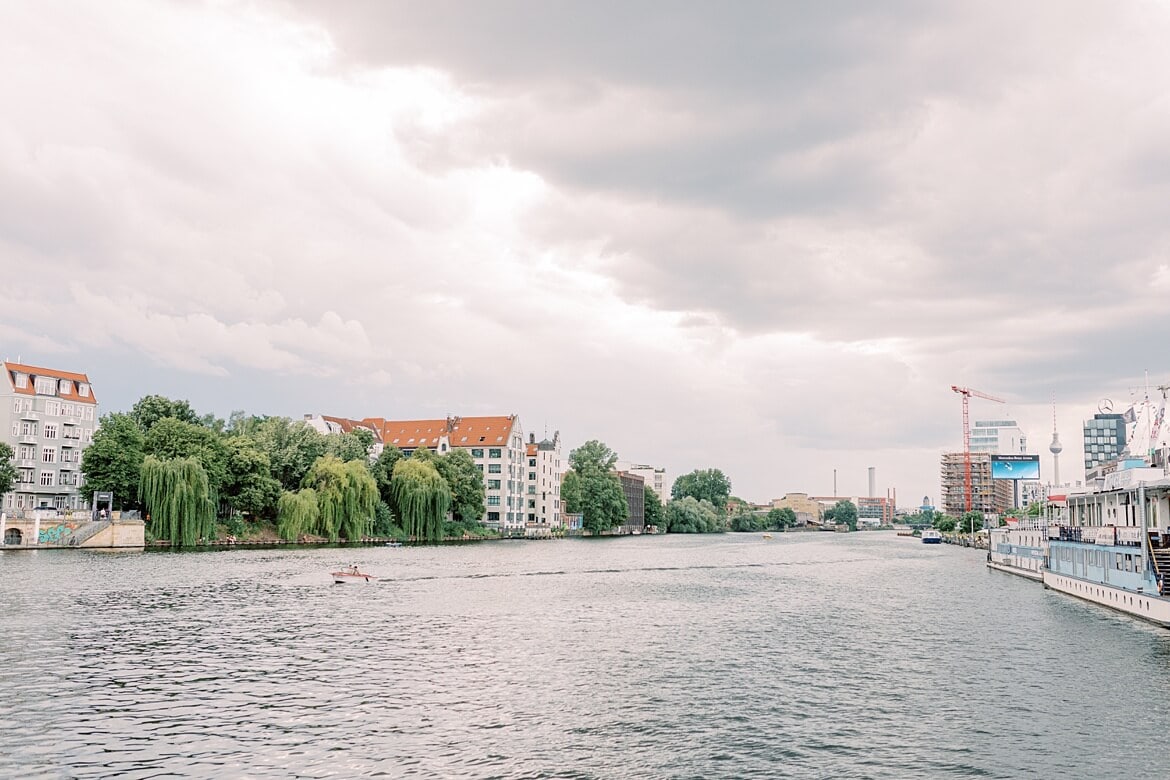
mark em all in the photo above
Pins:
pixel 764 237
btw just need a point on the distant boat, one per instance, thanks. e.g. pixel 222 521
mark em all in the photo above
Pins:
pixel 767 536
pixel 352 574
pixel 931 536
pixel 394 543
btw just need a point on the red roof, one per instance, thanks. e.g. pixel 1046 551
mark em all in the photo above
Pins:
pixel 460 431
pixel 35 371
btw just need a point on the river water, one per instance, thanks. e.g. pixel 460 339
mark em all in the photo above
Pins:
pixel 805 656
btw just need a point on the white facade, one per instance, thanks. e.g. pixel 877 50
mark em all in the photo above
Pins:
pixel 998 437
pixel 48 418
pixel 545 470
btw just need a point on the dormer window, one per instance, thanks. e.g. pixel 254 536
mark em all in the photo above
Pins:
pixel 66 387
pixel 22 381
pixel 46 385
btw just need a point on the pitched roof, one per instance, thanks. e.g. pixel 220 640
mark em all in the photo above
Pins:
pixel 460 431
pixel 36 371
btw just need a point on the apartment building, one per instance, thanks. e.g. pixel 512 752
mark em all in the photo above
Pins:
pixel 653 476
pixel 48 417
pixel 545 470
pixel 496 444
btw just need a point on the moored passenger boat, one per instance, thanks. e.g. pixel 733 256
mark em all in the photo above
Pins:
pixel 1019 547
pixel 1112 546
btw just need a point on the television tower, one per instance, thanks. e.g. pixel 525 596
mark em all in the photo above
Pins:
pixel 1055 447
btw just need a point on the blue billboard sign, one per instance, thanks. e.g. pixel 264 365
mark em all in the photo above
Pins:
pixel 1018 467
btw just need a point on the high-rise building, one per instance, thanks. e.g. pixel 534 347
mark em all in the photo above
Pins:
pixel 654 477
pixel 48 417
pixel 998 437
pixel 1104 439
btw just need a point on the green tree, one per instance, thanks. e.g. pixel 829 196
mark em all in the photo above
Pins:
pixel 465 481
pixel 711 485
pixel 944 523
pixel 781 518
pixel 7 468
pixel 346 497
pixel 688 515
pixel 113 461
pixel 603 503
pixel 382 470
pixel 651 507
pixel 171 438
pixel 152 408
pixel 593 455
pixel 571 491
pixel 298 513
pixel 354 445
pixel 843 513
pixel 422 498
pixel 177 496
pixel 746 521
pixel 598 490
pixel 970 522
pixel 250 486
pixel 292 448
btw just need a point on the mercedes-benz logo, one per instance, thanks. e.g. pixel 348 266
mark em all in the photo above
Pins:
pixel 1105 407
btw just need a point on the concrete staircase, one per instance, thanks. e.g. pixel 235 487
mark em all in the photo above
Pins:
pixel 85 532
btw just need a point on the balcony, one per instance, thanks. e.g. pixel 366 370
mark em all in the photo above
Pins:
pixel 71 442
pixel 29 414
pixel 29 438
pixel 28 464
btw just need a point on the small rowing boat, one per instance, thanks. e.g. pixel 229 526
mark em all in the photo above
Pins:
pixel 352 574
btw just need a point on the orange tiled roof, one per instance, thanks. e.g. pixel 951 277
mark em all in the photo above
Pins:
pixel 531 448
pixel 35 371
pixel 463 432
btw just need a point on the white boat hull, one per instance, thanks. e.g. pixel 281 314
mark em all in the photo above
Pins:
pixel 1152 608
pixel 340 578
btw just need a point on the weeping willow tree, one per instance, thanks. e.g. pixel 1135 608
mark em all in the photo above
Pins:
pixel 422 498
pixel 336 499
pixel 297 513
pixel 178 498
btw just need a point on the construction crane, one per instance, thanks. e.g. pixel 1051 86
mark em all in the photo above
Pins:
pixel 967 392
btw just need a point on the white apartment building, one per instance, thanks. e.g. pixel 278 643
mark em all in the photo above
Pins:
pixel 48 417
pixel 545 470
pixel 496 444
pixel 655 478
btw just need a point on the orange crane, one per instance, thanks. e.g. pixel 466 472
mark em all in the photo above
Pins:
pixel 967 392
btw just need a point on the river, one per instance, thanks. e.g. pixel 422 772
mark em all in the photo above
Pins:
pixel 807 656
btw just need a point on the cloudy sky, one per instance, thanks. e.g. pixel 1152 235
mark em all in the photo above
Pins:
pixel 761 236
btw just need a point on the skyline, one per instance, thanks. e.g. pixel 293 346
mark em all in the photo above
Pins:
pixel 766 239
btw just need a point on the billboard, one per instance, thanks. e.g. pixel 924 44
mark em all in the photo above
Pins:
pixel 1015 467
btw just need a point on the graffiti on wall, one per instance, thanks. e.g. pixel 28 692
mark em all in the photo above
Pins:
pixel 54 534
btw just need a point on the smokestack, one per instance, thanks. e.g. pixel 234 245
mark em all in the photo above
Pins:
pixel 872 481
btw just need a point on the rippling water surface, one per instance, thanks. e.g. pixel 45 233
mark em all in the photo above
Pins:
pixel 809 655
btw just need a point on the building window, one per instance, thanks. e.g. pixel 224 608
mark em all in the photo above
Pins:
pixel 27 452
pixel 66 387
pixel 22 381
pixel 493 517
pixel 83 390
pixel 476 452
pixel 494 453
pixel 46 478
pixel 28 429
pixel 27 477
pixel 50 430
pixel 532 463
pixel 493 500
pixel 532 475
pixel 494 468
pixel 49 455
pixel 532 503
pixel 53 408
pixel 493 484
pixel 46 386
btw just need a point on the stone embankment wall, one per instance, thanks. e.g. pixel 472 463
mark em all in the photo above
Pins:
pixel 52 533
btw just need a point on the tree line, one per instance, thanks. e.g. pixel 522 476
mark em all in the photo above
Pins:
pixel 187 471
